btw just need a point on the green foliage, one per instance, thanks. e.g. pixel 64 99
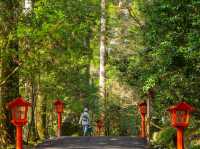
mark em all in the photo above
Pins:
pixel 170 61
pixel 195 147
pixel 71 126
pixel 167 57
pixel 152 45
pixel 55 54
pixel 58 49
pixel 165 138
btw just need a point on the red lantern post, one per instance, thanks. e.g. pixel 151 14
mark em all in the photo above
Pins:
pixel 143 111
pixel 180 115
pixel 59 107
pixel 19 109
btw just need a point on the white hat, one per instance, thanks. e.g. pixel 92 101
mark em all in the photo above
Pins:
pixel 85 109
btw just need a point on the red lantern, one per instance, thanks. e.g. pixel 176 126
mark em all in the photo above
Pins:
pixel 143 108
pixel 59 108
pixel 180 115
pixel 143 111
pixel 19 109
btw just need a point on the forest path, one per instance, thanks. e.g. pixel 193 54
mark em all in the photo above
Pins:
pixel 94 143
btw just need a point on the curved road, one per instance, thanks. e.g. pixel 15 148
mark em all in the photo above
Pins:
pixel 94 143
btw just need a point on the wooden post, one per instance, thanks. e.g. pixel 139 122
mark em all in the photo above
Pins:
pixel 19 137
pixel 148 118
pixel 59 124
pixel 180 144
pixel 143 133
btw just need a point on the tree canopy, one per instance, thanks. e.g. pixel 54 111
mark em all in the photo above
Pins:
pixel 50 49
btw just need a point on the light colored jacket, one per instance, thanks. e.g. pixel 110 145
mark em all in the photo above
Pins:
pixel 84 121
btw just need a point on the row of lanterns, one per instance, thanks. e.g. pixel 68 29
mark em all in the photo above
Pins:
pixel 19 108
pixel 180 115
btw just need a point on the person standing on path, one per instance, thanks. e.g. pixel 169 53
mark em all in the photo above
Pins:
pixel 85 121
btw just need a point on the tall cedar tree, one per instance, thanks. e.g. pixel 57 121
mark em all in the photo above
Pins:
pixel 10 88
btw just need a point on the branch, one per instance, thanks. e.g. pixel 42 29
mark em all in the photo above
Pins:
pixel 133 15
pixel 156 126
pixel 4 81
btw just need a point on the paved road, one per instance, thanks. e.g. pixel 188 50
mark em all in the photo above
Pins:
pixel 94 143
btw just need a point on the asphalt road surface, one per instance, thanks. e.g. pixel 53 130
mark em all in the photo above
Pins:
pixel 94 143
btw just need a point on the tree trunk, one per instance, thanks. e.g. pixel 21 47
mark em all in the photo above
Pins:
pixel 150 98
pixel 28 5
pixel 102 74
pixel 32 131
pixel 41 116
pixel 41 104
pixel 10 88
pixel 102 49
pixel 87 80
